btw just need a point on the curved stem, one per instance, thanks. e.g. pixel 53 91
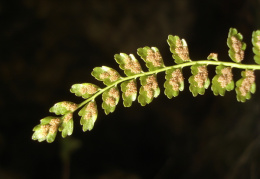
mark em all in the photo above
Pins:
pixel 201 62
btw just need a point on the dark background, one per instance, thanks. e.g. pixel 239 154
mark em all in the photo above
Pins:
pixel 48 45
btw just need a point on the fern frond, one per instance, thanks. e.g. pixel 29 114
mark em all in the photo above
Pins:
pixel 114 83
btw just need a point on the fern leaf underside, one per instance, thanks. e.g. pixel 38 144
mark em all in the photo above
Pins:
pixel 149 89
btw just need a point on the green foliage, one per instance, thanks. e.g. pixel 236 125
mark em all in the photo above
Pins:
pixel 67 125
pixel 128 63
pixel 110 100
pixel 152 57
pixel 256 45
pixel 47 129
pixel 179 49
pixel 129 89
pixel 199 80
pixel 106 74
pixel 88 115
pixel 85 90
pixel 149 88
pixel 236 46
pixel 213 56
pixel 222 81
pixel 174 82
pixel 246 85
pixel 64 107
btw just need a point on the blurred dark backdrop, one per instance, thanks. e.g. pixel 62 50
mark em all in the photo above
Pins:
pixel 48 45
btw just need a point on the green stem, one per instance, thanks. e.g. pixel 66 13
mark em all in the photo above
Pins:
pixel 201 62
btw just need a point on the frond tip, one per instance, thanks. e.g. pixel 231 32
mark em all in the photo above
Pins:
pixel 149 87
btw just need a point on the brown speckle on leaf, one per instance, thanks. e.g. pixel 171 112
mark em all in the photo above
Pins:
pixel 154 57
pixel 111 74
pixel 201 76
pixel 151 86
pixel 226 77
pixel 113 92
pixel 104 75
pixel 70 106
pixel 54 124
pixel 55 121
pixel 131 88
pixel 213 56
pixel 237 46
pixel 45 129
pixel 90 89
pixel 182 51
pixel 247 82
pixel 176 79
pixel 113 95
pixel 132 65
pixel 90 110
pixel 111 101
pixel 67 117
